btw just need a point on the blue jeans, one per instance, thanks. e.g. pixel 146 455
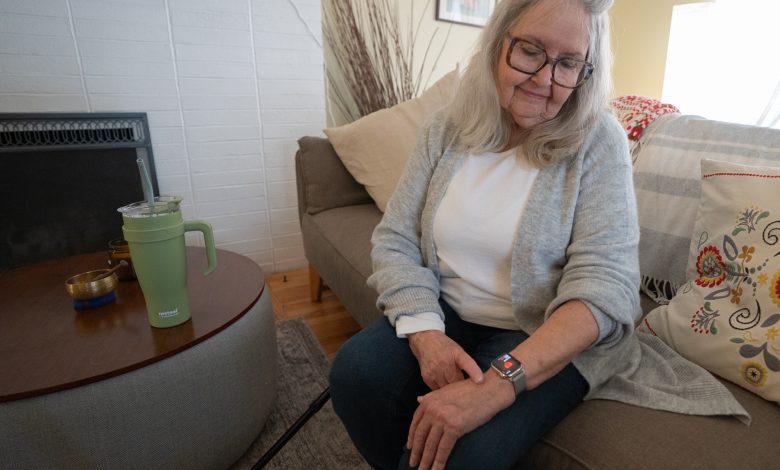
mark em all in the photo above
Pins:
pixel 375 380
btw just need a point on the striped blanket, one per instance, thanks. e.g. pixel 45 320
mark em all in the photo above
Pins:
pixel 667 179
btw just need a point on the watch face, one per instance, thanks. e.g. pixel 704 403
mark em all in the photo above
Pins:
pixel 510 369
pixel 507 365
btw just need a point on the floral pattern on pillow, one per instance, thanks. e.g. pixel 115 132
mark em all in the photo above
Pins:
pixel 726 318
pixel 740 270
pixel 774 288
pixel 710 266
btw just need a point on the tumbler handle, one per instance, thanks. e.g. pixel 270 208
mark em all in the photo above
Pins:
pixel 208 236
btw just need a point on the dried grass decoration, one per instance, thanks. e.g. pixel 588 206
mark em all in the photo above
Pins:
pixel 375 65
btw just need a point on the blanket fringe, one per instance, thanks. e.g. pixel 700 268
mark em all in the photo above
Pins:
pixel 659 290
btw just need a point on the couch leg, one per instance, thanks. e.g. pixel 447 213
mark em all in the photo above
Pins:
pixel 315 285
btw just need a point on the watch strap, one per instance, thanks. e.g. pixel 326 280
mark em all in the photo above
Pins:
pixel 518 382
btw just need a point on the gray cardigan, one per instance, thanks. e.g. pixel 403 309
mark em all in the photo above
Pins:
pixel 577 239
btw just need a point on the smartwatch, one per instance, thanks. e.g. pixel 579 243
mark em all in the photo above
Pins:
pixel 510 369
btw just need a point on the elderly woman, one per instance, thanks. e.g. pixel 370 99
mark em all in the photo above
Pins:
pixel 506 262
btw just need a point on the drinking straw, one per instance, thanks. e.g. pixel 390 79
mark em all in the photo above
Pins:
pixel 147 182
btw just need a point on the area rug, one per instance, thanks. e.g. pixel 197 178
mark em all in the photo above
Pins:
pixel 323 442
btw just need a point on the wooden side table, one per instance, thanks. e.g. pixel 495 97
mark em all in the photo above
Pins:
pixel 110 387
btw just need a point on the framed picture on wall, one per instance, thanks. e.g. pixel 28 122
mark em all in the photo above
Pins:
pixel 468 12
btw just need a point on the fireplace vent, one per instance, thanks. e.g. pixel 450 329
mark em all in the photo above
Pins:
pixel 73 131
pixel 62 177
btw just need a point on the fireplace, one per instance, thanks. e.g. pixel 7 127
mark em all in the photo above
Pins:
pixel 62 177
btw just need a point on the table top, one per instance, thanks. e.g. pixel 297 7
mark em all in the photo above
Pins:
pixel 46 345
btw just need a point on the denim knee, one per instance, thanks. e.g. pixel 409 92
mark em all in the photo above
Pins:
pixel 368 394
pixel 344 377
pixel 371 363
pixel 354 366
pixel 344 373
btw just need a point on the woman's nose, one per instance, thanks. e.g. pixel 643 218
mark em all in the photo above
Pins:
pixel 544 76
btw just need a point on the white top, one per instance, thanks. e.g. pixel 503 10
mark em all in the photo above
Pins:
pixel 474 231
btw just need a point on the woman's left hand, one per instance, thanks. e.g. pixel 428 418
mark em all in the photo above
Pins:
pixel 446 414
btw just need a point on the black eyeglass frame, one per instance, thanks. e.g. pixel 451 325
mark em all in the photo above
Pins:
pixel 587 70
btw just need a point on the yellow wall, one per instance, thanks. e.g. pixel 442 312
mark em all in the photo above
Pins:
pixel 640 37
pixel 457 49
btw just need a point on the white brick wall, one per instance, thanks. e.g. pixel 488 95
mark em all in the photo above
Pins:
pixel 229 86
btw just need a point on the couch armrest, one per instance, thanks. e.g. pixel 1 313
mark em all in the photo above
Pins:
pixel 323 181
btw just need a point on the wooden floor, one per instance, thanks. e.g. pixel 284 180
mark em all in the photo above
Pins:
pixel 329 320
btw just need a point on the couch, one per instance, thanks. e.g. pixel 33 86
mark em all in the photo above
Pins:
pixel 338 215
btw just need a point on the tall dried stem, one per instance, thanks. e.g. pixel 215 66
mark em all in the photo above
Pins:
pixel 374 63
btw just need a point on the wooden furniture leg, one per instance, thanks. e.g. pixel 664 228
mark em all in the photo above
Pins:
pixel 315 285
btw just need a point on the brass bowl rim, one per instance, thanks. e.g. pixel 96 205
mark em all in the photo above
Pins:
pixel 90 289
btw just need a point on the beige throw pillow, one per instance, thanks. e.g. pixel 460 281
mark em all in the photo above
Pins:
pixel 726 318
pixel 375 148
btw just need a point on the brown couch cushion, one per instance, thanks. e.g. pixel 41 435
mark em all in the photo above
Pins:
pixel 337 244
pixel 323 181
pixel 348 231
pixel 605 435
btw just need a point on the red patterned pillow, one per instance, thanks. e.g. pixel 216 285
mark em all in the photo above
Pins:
pixel 635 113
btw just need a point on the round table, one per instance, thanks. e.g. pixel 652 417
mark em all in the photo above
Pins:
pixel 101 387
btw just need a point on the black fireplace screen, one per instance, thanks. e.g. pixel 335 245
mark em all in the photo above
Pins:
pixel 62 178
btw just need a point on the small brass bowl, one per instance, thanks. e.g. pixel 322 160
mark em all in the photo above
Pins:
pixel 83 287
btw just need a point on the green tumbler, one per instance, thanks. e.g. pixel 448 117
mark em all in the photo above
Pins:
pixel 155 234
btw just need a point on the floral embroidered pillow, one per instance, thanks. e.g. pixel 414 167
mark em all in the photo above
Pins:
pixel 726 318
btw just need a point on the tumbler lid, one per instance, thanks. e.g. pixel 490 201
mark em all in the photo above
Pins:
pixel 163 205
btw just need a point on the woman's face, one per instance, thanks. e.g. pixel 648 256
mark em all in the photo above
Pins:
pixel 560 28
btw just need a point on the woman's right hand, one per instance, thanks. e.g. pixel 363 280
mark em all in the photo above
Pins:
pixel 442 360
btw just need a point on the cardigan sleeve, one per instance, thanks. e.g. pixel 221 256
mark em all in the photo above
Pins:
pixel 602 267
pixel 406 286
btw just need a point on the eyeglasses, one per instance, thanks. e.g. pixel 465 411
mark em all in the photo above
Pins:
pixel 527 57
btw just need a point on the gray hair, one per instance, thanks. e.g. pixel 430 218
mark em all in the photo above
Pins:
pixel 484 126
